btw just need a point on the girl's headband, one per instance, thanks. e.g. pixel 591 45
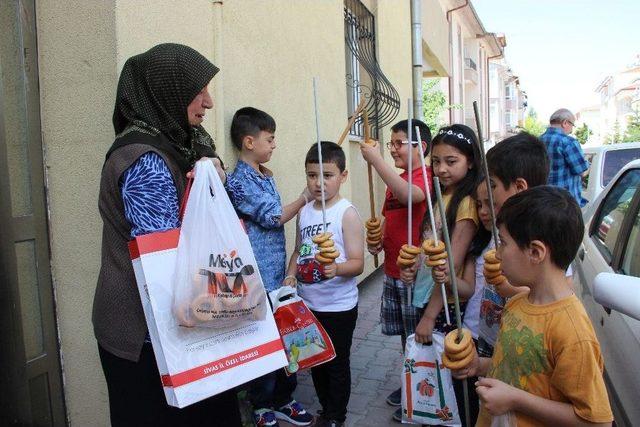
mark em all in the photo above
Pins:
pixel 452 133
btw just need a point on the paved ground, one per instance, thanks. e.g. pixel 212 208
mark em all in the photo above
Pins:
pixel 375 365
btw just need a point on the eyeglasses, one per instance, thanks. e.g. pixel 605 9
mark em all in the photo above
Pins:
pixel 571 123
pixel 398 143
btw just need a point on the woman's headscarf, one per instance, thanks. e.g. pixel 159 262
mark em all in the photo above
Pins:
pixel 154 91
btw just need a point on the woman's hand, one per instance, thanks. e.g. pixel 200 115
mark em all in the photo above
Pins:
pixel 440 274
pixel 218 165
pixel 290 281
pixel 375 250
pixel 424 329
pixel 370 151
pixel 408 274
pixel 330 270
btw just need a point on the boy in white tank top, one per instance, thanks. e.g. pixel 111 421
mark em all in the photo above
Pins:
pixel 329 290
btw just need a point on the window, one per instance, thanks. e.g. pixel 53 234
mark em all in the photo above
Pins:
pixel 615 160
pixel 631 260
pixel 364 78
pixel 608 222
pixel 508 92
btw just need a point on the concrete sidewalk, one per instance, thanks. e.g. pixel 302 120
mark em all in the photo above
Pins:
pixel 375 365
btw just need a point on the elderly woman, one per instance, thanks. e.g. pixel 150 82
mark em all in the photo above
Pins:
pixel 161 101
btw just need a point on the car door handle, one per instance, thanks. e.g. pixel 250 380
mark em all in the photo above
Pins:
pixel 581 252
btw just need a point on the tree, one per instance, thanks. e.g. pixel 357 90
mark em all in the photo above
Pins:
pixel 434 103
pixel 615 137
pixel 532 125
pixel 583 133
pixel 632 133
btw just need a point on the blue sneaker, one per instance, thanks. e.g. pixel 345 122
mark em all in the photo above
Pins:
pixel 294 413
pixel 265 417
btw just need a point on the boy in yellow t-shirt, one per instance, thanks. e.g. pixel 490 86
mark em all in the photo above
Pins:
pixel 547 367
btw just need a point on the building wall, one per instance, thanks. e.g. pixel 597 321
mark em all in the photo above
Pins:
pixel 269 52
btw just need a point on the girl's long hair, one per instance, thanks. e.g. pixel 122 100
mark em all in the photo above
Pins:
pixel 483 236
pixel 463 139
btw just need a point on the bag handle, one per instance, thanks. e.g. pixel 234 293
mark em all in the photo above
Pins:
pixel 185 197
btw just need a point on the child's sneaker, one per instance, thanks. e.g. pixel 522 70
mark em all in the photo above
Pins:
pixel 395 398
pixel 265 418
pixel 294 413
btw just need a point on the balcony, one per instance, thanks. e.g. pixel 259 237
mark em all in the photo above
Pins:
pixel 470 71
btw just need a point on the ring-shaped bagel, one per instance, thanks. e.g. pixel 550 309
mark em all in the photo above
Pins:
pixel 490 257
pixel 323 260
pixel 414 250
pixel 450 344
pixel 432 263
pixel 374 234
pixel 326 244
pixel 491 274
pixel 373 242
pixel 457 364
pixel 493 267
pixel 463 354
pixel 406 255
pixel 496 280
pixel 331 255
pixel 203 302
pixel 181 315
pixel 436 257
pixel 320 238
pixel 430 248
pixel 401 262
pixel 372 223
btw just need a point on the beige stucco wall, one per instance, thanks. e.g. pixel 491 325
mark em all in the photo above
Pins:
pixel 271 51
pixel 435 36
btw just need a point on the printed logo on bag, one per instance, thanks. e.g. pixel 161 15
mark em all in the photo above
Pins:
pixel 230 261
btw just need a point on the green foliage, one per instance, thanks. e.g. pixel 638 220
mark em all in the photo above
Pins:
pixel 532 125
pixel 434 103
pixel 632 133
pixel 583 133
pixel 615 137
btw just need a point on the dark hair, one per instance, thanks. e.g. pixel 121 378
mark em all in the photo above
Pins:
pixel 425 133
pixel 331 153
pixel 519 156
pixel 463 139
pixel 483 236
pixel 545 213
pixel 250 121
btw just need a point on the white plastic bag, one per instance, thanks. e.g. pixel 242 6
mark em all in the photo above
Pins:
pixel 217 282
pixel 427 387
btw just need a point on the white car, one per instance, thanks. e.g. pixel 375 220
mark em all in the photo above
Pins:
pixel 605 162
pixel 611 252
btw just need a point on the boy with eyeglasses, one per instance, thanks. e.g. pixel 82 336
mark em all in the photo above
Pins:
pixel 397 315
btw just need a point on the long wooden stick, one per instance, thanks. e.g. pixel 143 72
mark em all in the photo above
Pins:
pixel 483 157
pixel 372 204
pixel 352 120
pixel 432 219
pixel 410 188
pixel 454 283
pixel 321 178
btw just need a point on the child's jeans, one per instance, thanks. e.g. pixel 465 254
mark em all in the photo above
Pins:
pixel 272 390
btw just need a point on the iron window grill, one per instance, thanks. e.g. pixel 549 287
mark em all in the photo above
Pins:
pixel 364 78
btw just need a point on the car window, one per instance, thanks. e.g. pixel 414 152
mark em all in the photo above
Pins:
pixel 611 215
pixel 615 160
pixel 585 179
pixel 631 260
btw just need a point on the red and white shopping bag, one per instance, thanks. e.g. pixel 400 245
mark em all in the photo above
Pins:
pixel 427 387
pixel 197 362
pixel 305 340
